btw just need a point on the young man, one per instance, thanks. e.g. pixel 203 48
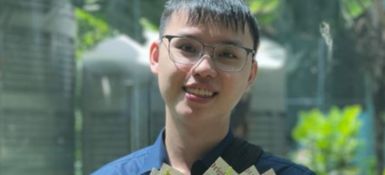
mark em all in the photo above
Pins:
pixel 204 61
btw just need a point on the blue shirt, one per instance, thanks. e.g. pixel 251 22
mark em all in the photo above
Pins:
pixel 142 161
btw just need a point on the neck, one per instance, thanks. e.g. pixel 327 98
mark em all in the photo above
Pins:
pixel 188 141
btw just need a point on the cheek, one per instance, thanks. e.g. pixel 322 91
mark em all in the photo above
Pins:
pixel 235 87
pixel 170 79
pixel 238 82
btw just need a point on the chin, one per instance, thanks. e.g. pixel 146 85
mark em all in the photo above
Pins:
pixel 187 114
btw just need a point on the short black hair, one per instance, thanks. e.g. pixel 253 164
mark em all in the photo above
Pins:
pixel 233 14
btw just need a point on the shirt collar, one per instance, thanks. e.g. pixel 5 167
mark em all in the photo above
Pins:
pixel 218 150
pixel 158 153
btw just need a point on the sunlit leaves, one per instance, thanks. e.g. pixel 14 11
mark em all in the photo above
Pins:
pixel 263 6
pixel 91 30
pixel 354 8
pixel 147 25
pixel 331 139
pixel 265 10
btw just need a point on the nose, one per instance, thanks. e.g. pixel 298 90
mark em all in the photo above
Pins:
pixel 205 67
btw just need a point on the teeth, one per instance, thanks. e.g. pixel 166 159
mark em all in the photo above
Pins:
pixel 200 92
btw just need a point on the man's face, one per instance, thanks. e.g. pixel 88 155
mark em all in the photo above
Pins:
pixel 201 91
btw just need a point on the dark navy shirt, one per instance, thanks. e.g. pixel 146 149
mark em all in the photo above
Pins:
pixel 142 161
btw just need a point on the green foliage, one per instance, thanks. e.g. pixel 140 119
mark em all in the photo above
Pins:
pixel 91 30
pixel 265 10
pixel 354 8
pixel 148 25
pixel 328 142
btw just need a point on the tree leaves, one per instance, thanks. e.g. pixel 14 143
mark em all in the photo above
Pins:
pixel 330 138
pixel 266 10
pixel 91 30
pixel 351 9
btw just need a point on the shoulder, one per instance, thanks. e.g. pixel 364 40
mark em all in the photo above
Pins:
pixel 127 165
pixel 281 166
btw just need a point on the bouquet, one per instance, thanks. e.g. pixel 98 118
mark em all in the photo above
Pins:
pixel 219 167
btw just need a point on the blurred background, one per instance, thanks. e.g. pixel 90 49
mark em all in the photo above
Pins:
pixel 76 91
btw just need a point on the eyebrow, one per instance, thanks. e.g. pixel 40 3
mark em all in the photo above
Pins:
pixel 232 42
pixel 224 41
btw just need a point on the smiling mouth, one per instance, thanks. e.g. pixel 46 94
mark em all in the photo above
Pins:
pixel 199 92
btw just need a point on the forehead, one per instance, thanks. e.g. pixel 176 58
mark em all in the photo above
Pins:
pixel 179 23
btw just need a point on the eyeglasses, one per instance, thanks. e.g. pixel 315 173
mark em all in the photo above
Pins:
pixel 226 57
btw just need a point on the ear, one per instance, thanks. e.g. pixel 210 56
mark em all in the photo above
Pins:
pixel 154 57
pixel 252 74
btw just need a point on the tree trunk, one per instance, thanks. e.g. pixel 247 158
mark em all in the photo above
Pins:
pixel 379 98
pixel 379 95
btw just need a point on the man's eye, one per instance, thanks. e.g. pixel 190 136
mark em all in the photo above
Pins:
pixel 187 48
pixel 227 55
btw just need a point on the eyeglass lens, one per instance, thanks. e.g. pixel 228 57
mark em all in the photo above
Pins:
pixel 226 57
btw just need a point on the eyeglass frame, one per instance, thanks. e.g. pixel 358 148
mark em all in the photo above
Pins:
pixel 204 45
